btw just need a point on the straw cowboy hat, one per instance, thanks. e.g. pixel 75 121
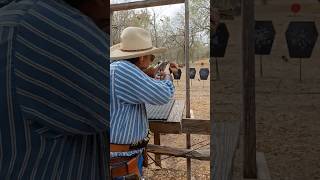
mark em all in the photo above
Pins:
pixel 134 42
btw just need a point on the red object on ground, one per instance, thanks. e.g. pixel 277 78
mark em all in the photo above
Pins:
pixel 295 7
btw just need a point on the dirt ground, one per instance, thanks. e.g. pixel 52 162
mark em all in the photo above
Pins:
pixel 287 110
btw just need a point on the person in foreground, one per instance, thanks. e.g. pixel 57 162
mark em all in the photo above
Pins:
pixel 53 90
pixel 131 89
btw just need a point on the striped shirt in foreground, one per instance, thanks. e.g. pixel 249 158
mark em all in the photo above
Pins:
pixel 53 93
pixel 131 89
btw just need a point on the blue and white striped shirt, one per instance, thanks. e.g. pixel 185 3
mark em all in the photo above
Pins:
pixel 53 93
pixel 131 89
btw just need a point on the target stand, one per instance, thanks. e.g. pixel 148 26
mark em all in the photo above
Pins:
pixel 301 37
pixel 204 73
pixel 264 37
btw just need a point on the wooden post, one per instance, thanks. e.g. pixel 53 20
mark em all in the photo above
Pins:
pixel 211 62
pixel 248 90
pixel 186 58
pixel 111 17
pixel 157 142
pixel 188 159
pixel 261 71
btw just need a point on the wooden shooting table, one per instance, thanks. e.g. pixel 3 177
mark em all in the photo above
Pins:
pixel 171 125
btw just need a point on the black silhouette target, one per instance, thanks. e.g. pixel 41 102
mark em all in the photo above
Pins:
pixel 301 37
pixel 204 73
pixel 192 73
pixel 264 37
pixel 177 74
pixel 219 41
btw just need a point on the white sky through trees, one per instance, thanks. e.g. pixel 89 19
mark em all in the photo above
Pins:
pixel 170 11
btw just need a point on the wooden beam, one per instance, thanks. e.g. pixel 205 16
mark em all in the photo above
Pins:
pixel 196 126
pixel 179 152
pixel 164 127
pixel 248 90
pixel 143 4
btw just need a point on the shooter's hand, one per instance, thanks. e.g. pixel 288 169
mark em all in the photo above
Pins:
pixel 167 69
pixel 151 71
pixel 173 68
pixel 166 73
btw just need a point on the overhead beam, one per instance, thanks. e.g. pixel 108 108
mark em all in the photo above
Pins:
pixel 143 4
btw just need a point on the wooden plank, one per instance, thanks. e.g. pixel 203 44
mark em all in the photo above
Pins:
pixel 159 112
pixel 176 112
pixel 262 167
pixel 165 128
pixel 196 126
pixel 179 152
pixel 173 123
pixel 157 142
pixel 225 146
pixel 248 90
pixel 142 4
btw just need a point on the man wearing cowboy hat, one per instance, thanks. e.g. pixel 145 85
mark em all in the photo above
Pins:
pixel 131 89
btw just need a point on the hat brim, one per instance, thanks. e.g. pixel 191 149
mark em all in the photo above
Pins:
pixel 116 53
